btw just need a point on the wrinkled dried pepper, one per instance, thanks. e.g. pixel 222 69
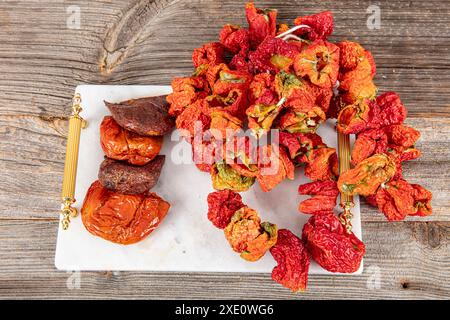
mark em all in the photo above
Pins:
pixel 367 176
pixel 292 261
pixel 331 246
pixel 248 236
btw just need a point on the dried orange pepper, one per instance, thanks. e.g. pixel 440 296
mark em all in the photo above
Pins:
pixel 248 236
pixel 367 176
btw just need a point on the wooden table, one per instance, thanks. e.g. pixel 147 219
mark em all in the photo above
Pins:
pixel 43 58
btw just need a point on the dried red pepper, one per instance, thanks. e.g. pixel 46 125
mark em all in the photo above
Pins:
pixel 388 110
pixel 210 53
pixel 322 164
pixel 262 89
pixel 194 118
pixel 295 91
pixel 352 55
pixel 273 55
pixel 274 165
pixel 261 117
pixel 185 92
pixel 402 135
pixel 221 207
pixel 398 199
pixel 235 39
pixel 227 80
pixel 292 261
pixel 356 73
pixel 319 62
pixel 397 140
pixel 301 146
pixel 331 246
pixel 324 197
pixel 261 23
pixel 320 25
pixel 241 155
pixel 322 97
pixel 292 85
pixel 368 143
pixel 325 188
pixel 203 153
pixel 318 204
pixel 354 118
pixel 223 125
pixel 368 175
pixel 422 201
pixel 302 121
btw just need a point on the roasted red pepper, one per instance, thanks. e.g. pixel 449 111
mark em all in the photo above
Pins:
pixel 120 144
pixel 121 218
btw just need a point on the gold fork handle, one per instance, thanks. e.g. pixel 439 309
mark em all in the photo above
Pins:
pixel 76 123
pixel 346 201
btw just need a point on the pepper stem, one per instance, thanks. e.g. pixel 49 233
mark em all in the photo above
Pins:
pixel 289 31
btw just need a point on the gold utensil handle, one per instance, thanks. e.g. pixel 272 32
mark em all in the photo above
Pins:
pixel 76 123
pixel 344 165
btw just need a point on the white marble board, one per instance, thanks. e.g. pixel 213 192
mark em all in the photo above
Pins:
pixel 185 240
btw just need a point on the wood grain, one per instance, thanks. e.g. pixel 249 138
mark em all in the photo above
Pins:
pixel 412 266
pixel 150 42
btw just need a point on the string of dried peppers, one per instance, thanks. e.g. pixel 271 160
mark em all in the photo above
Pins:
pixel 269 76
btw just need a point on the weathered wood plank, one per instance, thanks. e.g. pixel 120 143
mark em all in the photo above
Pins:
pixel 411 48
pixel 411 259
